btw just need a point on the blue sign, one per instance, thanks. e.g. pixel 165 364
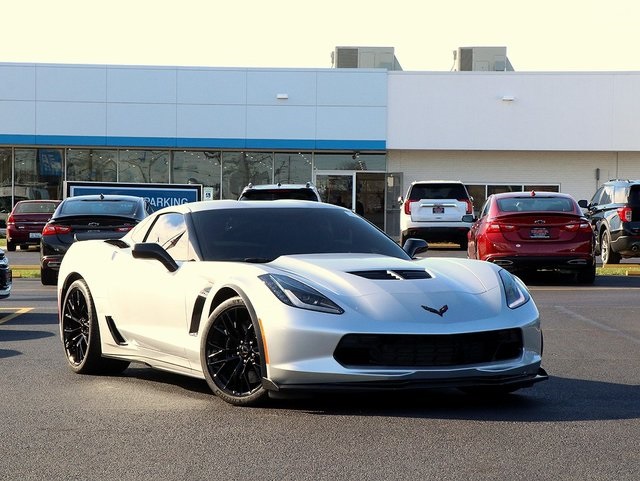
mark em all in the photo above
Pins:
pixel 158 195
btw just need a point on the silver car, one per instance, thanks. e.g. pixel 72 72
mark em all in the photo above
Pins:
pixel 263 298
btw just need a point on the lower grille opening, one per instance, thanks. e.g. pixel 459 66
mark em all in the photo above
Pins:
pixel 428 350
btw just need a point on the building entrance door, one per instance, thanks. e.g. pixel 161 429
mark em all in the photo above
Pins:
pixel 362 192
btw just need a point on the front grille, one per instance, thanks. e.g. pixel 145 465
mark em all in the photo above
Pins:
pixel 428 350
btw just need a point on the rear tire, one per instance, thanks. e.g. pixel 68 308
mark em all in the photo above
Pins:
pixel 11 246
pixel 48 277
pixel 587 275
pixel 81 334
pixel 607 254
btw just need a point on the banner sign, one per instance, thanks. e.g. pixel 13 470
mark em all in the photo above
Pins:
pixel 158 195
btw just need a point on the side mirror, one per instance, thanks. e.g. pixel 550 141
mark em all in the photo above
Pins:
pixel 154 251
pixel 468 218
pixel 414 247
pixel 583 203
pixel 400 200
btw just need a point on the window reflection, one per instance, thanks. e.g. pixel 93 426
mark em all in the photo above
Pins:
pixel 292 168
pixel 143 166
pixel 38 174
pixel 241 168
pixel 92 165
pixel 198 167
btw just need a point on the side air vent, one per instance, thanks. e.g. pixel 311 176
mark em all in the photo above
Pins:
pixel 395 275
pixel 115 333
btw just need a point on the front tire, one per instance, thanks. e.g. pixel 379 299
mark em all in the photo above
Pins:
pixel 81 334
pixel 607 254
pixel 231 355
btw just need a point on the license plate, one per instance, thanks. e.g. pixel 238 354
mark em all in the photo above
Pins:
pixel 438 209
pixel 539 233
pixel 35 235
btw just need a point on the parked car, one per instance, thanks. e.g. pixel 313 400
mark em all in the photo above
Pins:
pixel 320 300
pixel 614 213
pixel 86 217
pixel 6 277
pixel 26 221
pixel 436 210
pixel 523 231
pixel 306 191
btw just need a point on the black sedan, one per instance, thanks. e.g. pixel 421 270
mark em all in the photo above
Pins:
pixel 86 217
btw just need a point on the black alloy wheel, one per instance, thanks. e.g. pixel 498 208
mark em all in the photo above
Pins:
pixel 231 355
pixel 81 334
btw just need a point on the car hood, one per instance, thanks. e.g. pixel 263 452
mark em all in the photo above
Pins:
pixel 381 286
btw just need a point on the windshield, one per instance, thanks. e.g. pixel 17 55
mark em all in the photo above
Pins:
pixel 536 204
pixel 126 208
pixel 261 235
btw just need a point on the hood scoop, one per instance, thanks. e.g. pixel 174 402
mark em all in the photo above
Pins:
pixel 393 274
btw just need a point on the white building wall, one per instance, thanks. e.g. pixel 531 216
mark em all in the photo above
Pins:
pixel 574 172
pixel 548 111
pixel 193 107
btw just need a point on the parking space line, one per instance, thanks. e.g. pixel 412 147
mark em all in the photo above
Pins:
pixel 18 312
pixel 597 324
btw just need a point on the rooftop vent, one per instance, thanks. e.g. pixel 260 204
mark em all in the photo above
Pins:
pixel 365 57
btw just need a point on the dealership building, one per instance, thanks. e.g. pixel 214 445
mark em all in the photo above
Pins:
pixel 362 135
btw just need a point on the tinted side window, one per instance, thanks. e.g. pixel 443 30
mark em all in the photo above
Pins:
pixel 170 231
pixel 596 197
pixel 607 195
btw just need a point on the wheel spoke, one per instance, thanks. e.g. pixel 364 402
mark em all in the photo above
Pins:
pixel 232 354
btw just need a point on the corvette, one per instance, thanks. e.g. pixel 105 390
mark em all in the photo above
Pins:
pixel 266 299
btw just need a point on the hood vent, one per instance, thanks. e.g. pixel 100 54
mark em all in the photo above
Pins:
pixel 394 275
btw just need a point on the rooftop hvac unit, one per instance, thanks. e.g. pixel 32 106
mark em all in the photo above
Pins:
pixel 365 57
pixel 482 59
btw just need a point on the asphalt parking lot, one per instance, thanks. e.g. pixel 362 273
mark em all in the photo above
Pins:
pixel 582 424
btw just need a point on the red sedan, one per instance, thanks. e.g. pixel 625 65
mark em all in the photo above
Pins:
pixel 534 230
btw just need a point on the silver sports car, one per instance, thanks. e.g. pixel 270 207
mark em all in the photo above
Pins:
pixel 274 298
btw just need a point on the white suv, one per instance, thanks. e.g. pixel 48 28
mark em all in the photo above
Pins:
pixel 306 191
pixel 438 211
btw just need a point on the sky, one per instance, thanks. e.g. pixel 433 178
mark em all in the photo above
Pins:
pixel 541 35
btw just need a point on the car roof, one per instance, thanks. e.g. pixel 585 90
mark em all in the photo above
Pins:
pixel 38 201
pixel 279 185
pixel 525 194
pixel 205 205
pixel 436 182
pixel 79 198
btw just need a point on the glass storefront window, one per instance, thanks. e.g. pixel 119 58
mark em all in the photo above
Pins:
pixel 5 185
pixel 241 168
pixel 292 168
pixel 92 165
pixel 351 161
pixel 196 167
pixel 143 166
pixel 38 174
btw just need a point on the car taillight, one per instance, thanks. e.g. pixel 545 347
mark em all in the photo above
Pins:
pixel 54 229
pixel 10 219
pixel 500 227
pixel 407 207
pixel 583 226
pixel 625 213
pixel 469 205
pixel 124 228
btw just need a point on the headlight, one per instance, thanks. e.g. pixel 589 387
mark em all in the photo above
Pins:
pixel 4 261
pixel 296 294
pixel 516 293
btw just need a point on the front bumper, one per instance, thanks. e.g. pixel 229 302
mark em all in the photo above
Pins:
pixel 6 281
pixel 511 381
